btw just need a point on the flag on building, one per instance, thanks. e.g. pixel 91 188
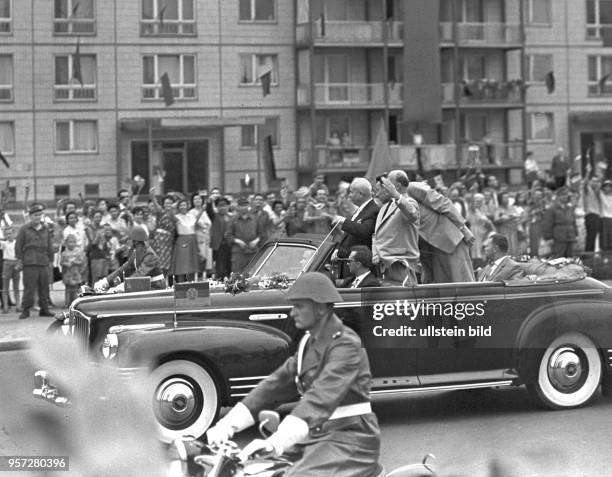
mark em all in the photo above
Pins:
pixel 267 153
pixel 77 73
pixel 166 89
pixel 3 159
pixel 264 73
pixel 381 155
pixel 601 84
pixel 549 79
pixel 160 16
pixel 74 9
pixel 322 23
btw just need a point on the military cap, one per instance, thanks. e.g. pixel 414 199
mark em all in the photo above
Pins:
pixel 314 286
pixel 222 200
pixel 138 234
pixel 36 207
pixel 243 201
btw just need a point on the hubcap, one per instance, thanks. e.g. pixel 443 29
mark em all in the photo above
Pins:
pixel 177 402
pixel 567 369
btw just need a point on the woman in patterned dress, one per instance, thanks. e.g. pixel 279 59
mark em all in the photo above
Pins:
pixel 202 232
pixel 163 238
pixel 185 258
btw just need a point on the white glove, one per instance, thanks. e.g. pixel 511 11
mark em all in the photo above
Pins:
pixel 101 285
pixel 291 431
pixel 236 420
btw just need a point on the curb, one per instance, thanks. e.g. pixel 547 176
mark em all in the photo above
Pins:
pixel 15 344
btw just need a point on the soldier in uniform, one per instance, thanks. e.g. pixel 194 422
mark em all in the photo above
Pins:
pixel 332 429
pixel 143 262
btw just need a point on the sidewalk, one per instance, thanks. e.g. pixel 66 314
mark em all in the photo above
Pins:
pixel 16 334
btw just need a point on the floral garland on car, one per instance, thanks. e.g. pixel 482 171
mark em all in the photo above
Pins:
pixel 236 283
pixel 537 268
pixel 239 282
pixel 277 280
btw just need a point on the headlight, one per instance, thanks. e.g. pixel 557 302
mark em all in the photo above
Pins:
pixel 110 346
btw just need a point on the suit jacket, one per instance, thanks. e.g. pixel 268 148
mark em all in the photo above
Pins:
pixel 396 234
pixel 360 230
pixel 439 219
pixel 368 281
pixel 508 269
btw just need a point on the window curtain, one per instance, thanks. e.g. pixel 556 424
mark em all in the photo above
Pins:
pixel 6 70
pixel 61 70
pixel 169 64
pixel 246 69
pixel 6 137
pixel 5 8
pixel 85 136
pixel 62 136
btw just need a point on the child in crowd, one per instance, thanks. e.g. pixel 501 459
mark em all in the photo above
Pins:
pixel 73 263
pixel 10 270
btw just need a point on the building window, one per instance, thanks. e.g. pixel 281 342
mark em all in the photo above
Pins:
pixel 6 78
pixel 599 19
pixel 540 127
pixel 92 190
pixel 67 84
pixel 61 191
pixel 332 127
pixel 167 18
pixel 257 10
pixel 6 21
pixel 181 73
pixel 539 12
pixel 538 66
pixel 7 138
pixel 250 133
pixel 600 75
pixel 253 66
pixel 74 17
pixel 76 136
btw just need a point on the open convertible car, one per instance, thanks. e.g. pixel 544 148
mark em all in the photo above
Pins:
pixel 203 349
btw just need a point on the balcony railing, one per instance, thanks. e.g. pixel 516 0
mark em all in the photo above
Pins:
pixel 349 32
pixel 74 25
pixel 485 91
pixel 432 157
pixel 168 28
pixel 482 34
pixel 178 92
pixel 75 92
pixel 351 94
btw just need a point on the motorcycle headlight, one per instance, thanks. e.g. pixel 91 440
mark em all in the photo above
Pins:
pixel 110 346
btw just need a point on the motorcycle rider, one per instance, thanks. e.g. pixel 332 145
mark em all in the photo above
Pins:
pixel 143 262
pixel 332 429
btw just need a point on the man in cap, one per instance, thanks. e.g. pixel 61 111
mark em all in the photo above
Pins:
pixel 332 426
pixel 143 262
pixel 559 224
pixel 34 252
pixel 246 233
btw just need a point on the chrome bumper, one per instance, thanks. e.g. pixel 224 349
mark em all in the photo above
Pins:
pixel 44 390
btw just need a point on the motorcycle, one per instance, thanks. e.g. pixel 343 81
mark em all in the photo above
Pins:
pixel 192 458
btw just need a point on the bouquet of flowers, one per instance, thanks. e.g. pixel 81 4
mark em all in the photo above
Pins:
pixel 277 280
pixel 236 283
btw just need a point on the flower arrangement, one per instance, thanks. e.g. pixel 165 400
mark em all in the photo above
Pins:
pixel 236 283
pixel 277 280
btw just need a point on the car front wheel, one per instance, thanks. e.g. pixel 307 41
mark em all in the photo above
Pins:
pixel 569 372
pixel 185 399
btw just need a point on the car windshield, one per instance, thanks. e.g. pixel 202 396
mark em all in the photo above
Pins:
pixel 289 259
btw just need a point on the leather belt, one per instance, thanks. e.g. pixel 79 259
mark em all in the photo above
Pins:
pixel 351 410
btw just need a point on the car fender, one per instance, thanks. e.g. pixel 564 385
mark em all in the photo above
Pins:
pixel 592 318
pixel 227 349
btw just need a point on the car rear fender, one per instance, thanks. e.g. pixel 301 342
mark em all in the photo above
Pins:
pixel 593 318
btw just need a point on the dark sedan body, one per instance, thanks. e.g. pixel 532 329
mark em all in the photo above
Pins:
pixel 555 335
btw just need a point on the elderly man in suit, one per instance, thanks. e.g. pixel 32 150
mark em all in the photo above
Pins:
pixel 395 244
pixel 500 266
pixel 445 237
pixel 359 228
pixel 360 266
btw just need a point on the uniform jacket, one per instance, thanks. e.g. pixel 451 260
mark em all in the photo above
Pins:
pixel 396 233
pixel 508 269
pixel 439 219
pixel 360 230
pixel 146 266
pixel 218 230
pixel 368 281
pixel 559 223
pixel 247 229
pixel 34 247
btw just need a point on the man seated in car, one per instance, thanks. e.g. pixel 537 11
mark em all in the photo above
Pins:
pixel 500 266
pixel 360 266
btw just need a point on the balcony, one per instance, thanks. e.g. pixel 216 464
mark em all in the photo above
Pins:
pixel 75 93
pixel 70 26
pixel 485 92
pixel 351 94
pixel 178 92
pixel 345 33
pixel 493 35
pixel 433 157
pixel 167 28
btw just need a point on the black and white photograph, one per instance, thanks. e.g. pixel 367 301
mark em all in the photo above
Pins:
pixel 306 238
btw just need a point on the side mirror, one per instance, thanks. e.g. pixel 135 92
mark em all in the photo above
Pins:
pixel 268 422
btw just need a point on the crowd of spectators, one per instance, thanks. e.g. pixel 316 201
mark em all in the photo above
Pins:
pixel 212 235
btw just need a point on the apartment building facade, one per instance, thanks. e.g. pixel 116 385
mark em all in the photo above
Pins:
pixel 82 105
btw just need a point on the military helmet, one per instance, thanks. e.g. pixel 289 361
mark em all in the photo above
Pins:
pixel 138 234
pixel 314 286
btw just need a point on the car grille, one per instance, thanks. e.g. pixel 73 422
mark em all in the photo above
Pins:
pixel 81 328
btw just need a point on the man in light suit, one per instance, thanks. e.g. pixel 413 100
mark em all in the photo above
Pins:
pixel 360 266
pixel 445 237
pixel 395 244
pixel 500 267
pixel 359 228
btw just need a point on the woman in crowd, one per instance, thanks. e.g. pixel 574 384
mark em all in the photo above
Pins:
pixel 317 216
pixel 481 226
pixel 202 232
pixel 98 249
pixel 163 238
pixel 185 253
pixel 279 217
pixel 506 219
pixel 535 215
pixel 294 220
